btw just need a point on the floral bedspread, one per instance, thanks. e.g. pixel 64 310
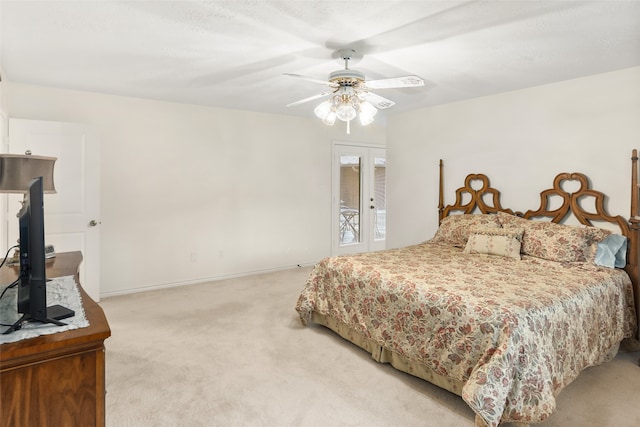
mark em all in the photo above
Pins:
pixel 514 332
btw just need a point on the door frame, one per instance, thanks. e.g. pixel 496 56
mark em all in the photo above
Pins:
pixel 68 227
pixel 367 242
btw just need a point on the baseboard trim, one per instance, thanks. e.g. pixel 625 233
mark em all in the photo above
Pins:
pixel 202 280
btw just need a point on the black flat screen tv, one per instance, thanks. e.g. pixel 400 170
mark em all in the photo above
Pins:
pixel 32 281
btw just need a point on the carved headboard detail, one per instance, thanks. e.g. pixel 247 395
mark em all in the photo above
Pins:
pixel 571 205
pixel 477 197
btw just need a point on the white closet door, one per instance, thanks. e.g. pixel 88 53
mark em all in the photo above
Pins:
pixel 72 214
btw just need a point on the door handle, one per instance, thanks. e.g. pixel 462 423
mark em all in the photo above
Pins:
pixel 372 207
pixel 93 223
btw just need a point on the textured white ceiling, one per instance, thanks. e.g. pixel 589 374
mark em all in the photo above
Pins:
pixel 233 53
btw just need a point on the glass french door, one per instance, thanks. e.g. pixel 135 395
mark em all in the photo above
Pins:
pixel 359 199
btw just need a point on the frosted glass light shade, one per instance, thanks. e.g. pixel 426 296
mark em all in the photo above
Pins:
pixel 330 118
pixel 323 109
pixel 346 112
pixel 367 112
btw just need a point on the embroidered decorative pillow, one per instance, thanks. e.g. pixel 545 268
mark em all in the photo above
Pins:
pixel 455 229
pixel 495 241
pixel 555 242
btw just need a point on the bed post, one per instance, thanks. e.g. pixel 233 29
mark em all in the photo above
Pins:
pixel 634 237
pixel 440 197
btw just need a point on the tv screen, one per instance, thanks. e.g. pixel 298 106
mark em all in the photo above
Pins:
pixel 32 291
pixel 32 286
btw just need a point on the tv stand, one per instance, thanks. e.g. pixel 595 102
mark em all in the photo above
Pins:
pixel 54 314
pixel 57 378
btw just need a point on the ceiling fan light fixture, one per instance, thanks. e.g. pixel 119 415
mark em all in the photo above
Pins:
pixel 346 112
pixel 367 113
pixel 323 109
pixel 330 118
pixel 352 96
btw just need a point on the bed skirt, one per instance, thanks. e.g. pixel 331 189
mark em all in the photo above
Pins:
pixel 383 355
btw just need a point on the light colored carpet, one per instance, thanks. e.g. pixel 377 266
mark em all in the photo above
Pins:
pixel 233 353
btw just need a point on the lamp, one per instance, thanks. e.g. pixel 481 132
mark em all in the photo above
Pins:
pixel 17 171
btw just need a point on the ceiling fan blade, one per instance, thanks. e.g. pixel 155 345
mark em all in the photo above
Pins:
pixel 311 79
pixel 311 98
pixel 378 101
pixel 395 82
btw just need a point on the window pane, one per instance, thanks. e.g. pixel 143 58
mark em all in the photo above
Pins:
pixel 380 198
pixel 350 199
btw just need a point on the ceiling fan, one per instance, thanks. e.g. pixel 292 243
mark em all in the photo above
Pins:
pixel 351 94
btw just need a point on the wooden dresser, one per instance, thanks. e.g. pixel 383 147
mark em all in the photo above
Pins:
pixel 56 379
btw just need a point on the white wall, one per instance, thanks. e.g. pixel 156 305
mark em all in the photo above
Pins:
pixel 190 193
pixel 521 140
pixel 180 179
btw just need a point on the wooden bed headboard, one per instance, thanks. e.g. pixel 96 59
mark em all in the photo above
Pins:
pixel 485 199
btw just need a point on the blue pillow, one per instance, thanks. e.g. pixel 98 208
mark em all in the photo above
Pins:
pixel 612 252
